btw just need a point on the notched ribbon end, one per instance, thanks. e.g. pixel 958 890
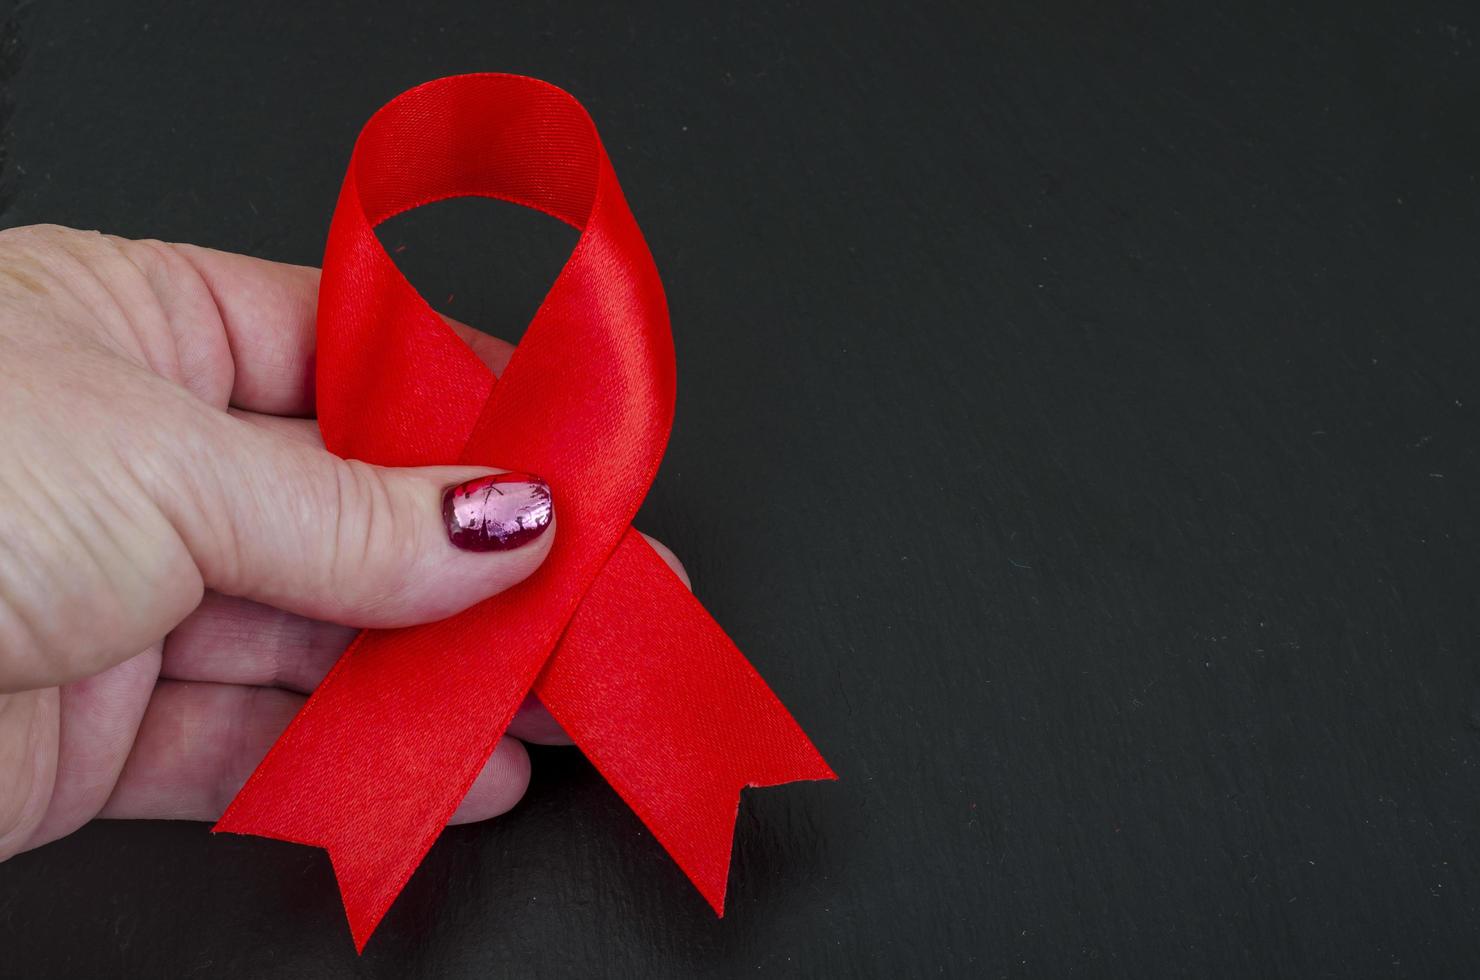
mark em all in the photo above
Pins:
pixel 367 885
pixel 705 857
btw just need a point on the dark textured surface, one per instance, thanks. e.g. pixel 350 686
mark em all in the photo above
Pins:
pixel 1076 426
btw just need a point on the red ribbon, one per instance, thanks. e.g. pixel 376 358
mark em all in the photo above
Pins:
pixel 625 658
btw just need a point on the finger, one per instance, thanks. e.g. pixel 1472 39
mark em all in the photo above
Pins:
pixel 306 432
pixel 231 641
pixel 228 640
pixel 670 559
pixel 268 310
pixel 493 351
pixel 198 743
pixel 533 723
pixel 274 519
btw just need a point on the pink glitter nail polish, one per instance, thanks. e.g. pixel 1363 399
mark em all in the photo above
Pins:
pixel 497 513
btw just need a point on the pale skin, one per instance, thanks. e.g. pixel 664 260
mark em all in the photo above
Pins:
pixel 181 561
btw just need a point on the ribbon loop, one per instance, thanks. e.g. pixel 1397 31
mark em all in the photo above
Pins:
pixel 640 676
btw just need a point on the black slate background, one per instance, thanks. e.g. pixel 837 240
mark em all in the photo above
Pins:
pixel 1076 427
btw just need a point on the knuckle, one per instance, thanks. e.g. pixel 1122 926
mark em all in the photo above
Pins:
pixel 38 643
pixel 188 311
pixel 154 259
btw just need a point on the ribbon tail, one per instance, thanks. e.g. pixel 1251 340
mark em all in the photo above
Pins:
pixel 369 879
pixel 368 882
pixel 670 712
pixel 377 761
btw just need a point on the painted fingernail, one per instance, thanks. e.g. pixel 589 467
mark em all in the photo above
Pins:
pixel 497 513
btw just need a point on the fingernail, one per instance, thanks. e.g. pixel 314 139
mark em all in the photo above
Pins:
pixel 497 513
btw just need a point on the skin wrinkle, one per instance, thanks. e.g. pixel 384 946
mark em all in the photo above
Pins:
pixel 137 302
pixel 200 488
pixel 182 490
pixel 17 629
pixel 215 391
pixel 132 299
pixel 72 281
pixel 33 287
pixel 344 476
pixel 229 568
pixel 232 355
pixel 16 711
pixel 37 250
pixel 72 540
pixel 279 653
pixel 135 255
pixel 188 585
pixel 30 798
pixel 87 526
pixel 21 266
pixel 355 481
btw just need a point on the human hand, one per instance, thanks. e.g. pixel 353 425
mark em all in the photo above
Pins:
pixel 181 561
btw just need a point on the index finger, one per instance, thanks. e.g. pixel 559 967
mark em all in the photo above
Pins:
pixel 268 310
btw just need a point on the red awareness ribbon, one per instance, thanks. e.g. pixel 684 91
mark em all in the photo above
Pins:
pixel 621 653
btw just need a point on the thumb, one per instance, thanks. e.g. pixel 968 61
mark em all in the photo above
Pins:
pixel 296 527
